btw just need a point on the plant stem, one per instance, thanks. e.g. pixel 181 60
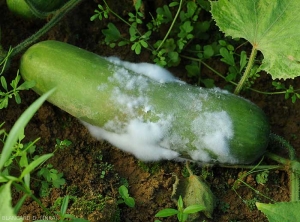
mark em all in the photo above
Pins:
pixel 292 166
pixel 247 71
pixel 284 143
pixel 277 158
pixel 60 13
pixel 260 167
pixel 27 191
pixel 187 165
pixel 171 27
pixel 207 66
pixel 115 14
pixel 294 186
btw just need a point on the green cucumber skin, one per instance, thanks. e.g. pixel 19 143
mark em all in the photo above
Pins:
pixel 77 74
pixel 21 8
pixel 48 6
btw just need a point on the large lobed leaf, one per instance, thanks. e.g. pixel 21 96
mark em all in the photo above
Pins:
pixel 271 26
pixel 282 211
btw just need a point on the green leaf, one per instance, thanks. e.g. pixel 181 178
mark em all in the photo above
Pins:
pixel 227 56
pixel 95 16
pixel 282 211
pixel 123 191
pixel 4 102
pixel 20 203
pixel 137 5
pixel 17 98
pixel 6 209
pixel 192 70
pixel 185 28
pixel 26 85
pixel 14 83
pixel 172 4
pixel 64 205
pixel 208 83
pixel 129 202
pixel 173 58
pixel 35 163
pixel 144 44
pixel 59 181
pixel 271 26
pixel 112 33
pixel 191 8
pixel 6 178
pixel 23 160
pixel 208 51
pixel 180 203
pixel 166 212
pixel 45 172
pixel 167 14
pixel 132 33
pixel 44 189
pixel 3 83
pixel 193 209
pixel 136 47
pixel 19 126
pixel 243 60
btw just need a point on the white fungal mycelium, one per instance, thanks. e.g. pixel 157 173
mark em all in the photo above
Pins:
pixel 153 71
pixel 204 137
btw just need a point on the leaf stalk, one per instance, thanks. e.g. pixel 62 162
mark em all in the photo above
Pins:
pixel 247 71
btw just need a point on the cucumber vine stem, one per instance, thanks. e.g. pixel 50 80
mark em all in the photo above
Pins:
pixel 293 169
pixel 284 143
pixel 60 13
pixel 291 164
pixel 247 71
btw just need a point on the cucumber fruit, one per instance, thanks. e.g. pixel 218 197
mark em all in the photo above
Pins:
pixel 21 8
pixel 151 116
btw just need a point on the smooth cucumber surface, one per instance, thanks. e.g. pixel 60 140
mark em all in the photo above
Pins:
pixel 175 119
pixel 21 8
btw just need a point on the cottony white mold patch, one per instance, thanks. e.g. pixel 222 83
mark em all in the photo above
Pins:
pixel 213 130
pixel 204 135
pixel 139 138
pixel 153 71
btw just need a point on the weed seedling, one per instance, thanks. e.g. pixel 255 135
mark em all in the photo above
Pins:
pixel 63 212
pixel 181 212
pixel 128 200
pixel 61 144
pixel 51 178
pixel 6 93
pixel 262 177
